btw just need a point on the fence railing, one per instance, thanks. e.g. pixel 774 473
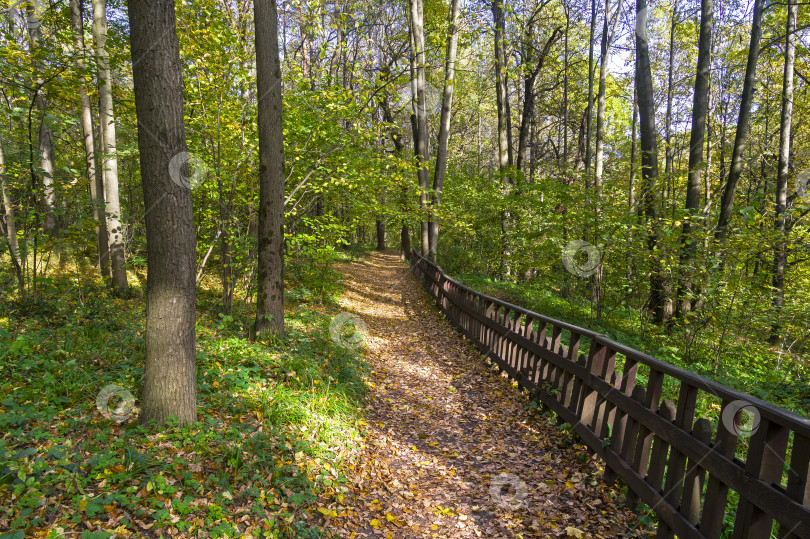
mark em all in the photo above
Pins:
pixel 742 471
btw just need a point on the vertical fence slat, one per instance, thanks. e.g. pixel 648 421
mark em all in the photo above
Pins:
pixel 798 486
pixel 695 475
pixel 765 460
pixel 711 521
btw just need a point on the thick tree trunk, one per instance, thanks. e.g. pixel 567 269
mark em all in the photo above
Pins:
pixel 270 295
pixel 420 110
pixel 106 112
pixel 96 186
pixel 170 371
pixel 700 109
pixel 649 162
pixel 780 250
pixel 444 128
pixel 737 162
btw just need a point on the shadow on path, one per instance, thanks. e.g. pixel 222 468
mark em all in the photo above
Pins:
pixel 452 449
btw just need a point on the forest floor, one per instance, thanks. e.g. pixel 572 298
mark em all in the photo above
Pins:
pixel 452 448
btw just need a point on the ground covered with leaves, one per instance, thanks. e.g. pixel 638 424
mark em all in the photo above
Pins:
pixel 452 448
pixel 277 422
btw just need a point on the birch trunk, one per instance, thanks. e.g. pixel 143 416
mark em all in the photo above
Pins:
pixel 781 224
pixel 96 186
pixel 444 128
pixel 106 112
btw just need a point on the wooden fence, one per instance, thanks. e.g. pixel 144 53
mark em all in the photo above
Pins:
pixel 743 471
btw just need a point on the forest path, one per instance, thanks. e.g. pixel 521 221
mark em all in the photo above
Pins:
pixel 445 431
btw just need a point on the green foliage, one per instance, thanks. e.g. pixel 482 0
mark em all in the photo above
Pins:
pixel 275 422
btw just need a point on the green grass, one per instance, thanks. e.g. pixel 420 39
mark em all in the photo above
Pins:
pixel 276 422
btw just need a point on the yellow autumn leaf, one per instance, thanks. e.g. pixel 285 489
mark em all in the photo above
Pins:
pixel 574 532
pixel 375 524
pixel 569 484
pixel 389 517
pixel 327 512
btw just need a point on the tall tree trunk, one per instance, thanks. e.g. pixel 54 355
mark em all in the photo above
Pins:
pixel 631 196
pixel 565 89
pixel 649 161
pixel 780 250
pixel 96 186
pixel 170 370
pixel 505 152
pixel 420 110
pixel 740 138
pixel 11 224
pixel 270 295
pixel 405 232
pixel 110 159
pixel 700 109
pixel 589 109
pixel 444 128
pixel 607 38
pixel 669 155
pixel 529 78
pixel 45 138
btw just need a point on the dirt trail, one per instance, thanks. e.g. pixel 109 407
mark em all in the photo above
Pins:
pixel 452 449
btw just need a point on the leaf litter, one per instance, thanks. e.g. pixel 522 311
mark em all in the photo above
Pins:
pixel 451 448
